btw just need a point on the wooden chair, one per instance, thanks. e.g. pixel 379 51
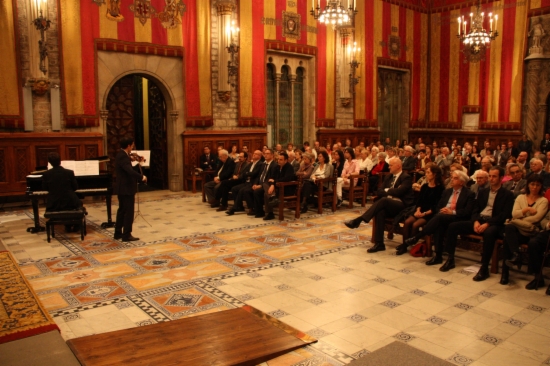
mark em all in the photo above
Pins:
pixel 291 201
pixel 191 175
pixel 73 217
pixel 326 195
pixel 358 190
pixel 206 176
pixel 388 226
pixel 475 243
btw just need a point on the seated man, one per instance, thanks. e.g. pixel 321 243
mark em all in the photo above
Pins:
pixel 517 184
pixel 249 176
pixel 491 209
pixel 61 186
pixel 485 166
pixel 208 161
pixel 224 173
pixel 537 166
pixel 396 194
pixel 456 204
pixel 222 193
pixel 409 161
pixel 482 180
pixel 283 173
pixel 255 196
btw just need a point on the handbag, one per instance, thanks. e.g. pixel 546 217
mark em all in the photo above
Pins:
pixel 419 250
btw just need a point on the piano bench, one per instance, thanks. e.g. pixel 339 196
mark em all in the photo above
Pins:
pixel 74 217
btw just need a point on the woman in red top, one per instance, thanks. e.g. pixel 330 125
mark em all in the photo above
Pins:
pixel 381 166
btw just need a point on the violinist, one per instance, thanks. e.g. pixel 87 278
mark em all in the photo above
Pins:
pixel 126 188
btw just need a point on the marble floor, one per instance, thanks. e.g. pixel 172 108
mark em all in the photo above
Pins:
pixel 313 274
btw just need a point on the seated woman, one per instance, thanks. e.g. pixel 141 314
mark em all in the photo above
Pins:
pixel 322 170
pixel 363 160
pixel 430 194
pixel 381 167
pixel 351 167
pixel 338 161
pixel 234 154
pixel 529 209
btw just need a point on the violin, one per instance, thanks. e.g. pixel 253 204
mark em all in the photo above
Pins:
pixel 136 157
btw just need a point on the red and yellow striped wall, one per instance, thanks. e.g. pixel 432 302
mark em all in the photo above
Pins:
pixel 83 22
pixel 10 88
pixel 376 21
pixel 494 84
pixel 257 34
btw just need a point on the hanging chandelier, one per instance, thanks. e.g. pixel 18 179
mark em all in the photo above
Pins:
pixel 478 39
pixel 334 13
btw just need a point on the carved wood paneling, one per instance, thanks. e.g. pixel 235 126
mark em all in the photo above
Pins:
pixel 23 152
pixel 91 151
pixel 494 137
pixel 333 136
pixel 195 141
pixel 71 152
pixel 42 154
pixel 3 166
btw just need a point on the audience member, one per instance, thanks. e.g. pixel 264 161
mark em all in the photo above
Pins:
pixel 351 167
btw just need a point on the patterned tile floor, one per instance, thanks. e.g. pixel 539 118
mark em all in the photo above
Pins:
pixel 313 274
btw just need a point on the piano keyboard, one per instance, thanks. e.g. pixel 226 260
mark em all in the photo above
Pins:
pixel 89 190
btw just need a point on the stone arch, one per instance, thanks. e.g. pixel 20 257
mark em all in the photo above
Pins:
pixel 167 73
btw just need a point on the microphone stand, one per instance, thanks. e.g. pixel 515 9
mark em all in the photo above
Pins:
pixel 138 212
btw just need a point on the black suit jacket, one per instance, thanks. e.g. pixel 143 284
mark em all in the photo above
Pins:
pixel 285 174
pixel 273 166
pixel 208 164
pixel 402 188
pixel 225 171
pixel 253 175
pixel 126 176
pixel 464 204
pixel 240 172
pixel 545 146
pixel 502 207
pixel 60 184
pixel 409 163
pixel 514 152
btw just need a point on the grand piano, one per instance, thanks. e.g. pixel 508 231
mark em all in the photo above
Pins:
pixel 88 185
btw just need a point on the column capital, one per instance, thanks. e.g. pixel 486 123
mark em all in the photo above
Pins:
pixel 225 7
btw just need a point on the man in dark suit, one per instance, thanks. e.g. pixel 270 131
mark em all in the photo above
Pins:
pixel 284 172
pixel 222 193
pixel 545 143
pixel 409 161
pixel 224 172
pixel 126 188
pixel 512 150
pixel 491 209
pixel 501 157
pixel 526 145
pixel 244 189
pixel 255 197
pixel 208 161
pixel 517 184
pixel 537 168
pixel 395 195
pixel 455 205
pixel 60 184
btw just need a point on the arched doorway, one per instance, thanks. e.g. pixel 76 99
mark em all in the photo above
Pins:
pixel 137 108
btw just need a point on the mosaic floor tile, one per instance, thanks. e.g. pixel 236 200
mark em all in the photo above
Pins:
pixel 157 262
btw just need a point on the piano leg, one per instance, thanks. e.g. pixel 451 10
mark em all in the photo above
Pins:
pixel 109 222
pixel 37 228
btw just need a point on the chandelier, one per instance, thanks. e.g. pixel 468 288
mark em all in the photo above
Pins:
pixel 334 13
pixel 478 39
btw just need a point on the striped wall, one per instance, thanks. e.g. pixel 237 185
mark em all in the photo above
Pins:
pixel 10 90
pixel 83 22
pixel 495 84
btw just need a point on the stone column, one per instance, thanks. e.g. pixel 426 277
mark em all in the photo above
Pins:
pixel 175 178
pixel 532 102
pixel 225 9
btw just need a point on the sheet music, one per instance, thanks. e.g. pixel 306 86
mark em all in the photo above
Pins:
pixel 34 176
pixel 80 168
pixel 144 153
pixel 67 164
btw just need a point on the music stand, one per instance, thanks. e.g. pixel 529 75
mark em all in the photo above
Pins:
pixel 138 212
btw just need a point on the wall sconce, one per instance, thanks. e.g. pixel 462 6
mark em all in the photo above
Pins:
pixel 225 12
pixel 354 64
pixel 42 24
pixel 233 49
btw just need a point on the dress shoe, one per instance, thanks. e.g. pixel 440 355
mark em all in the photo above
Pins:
pixel 376 248
pixel 259 215
pixel 401 249
pixel 215 204
pixel 482 275
pixel 269 216
pixel 505 277
pixel 339 203
pixel 230 212
pixel 221 208
pixel 449 264
pixel 130 238
pixel 535 284
pixel 435 260
pixel 411 241
pixel 516 260
pixel 117 236
pixel 353 224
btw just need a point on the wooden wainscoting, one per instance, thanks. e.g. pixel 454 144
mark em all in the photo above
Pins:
pixel 21 153
pixel 495 137
pixel 326 135
pixel 194 142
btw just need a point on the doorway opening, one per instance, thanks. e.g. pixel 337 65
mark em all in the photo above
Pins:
pixel 393 106
pixel 137 109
